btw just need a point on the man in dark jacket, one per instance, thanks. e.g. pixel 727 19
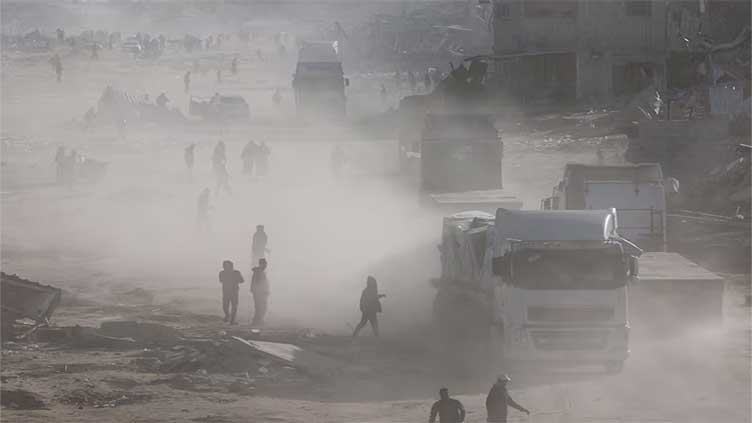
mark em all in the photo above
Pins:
pixel 370 306
pixel 448 409
pixel 498 399
pixel 260 290
pixel 230 280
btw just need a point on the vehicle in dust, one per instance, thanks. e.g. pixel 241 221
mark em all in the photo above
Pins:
pixel 637 191
pixel 319 82
pixel 553 284
pixel 220 107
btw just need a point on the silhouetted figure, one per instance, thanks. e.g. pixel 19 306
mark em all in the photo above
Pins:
pixel 202 211
pixel 219 165
pixel 448 409
pixel 219 156
pixel 223 180
pixel 259 244
pixel 70 168
pixel 230 280
pixel 277 97
pixel 248 155
pixel 187 81
pixel 60 35
pixel 234 66
pixel 60 164
pixel 370 306
pixel 411 80
pixel 95 51
pixel 382 91
pixel 260 290
pixel 427 82
pixel 262 159
pixel 57 65
pixel 189 156
pixel 498 399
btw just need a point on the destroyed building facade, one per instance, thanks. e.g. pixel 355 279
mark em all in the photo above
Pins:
pixel 596 51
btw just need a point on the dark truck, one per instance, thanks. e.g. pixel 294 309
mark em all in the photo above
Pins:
pixel 460 164
pixel 319 82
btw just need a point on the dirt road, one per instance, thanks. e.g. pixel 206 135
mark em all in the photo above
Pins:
pixel 135 229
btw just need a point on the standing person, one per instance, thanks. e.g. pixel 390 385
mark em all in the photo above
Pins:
pixel 230 280
pixel 57 65
pixel 262 159
pixel 202 211
pixel 219 156
pixel 411 79
pixel 448 409
pixel 189 157
pixel 223 180
pixel 498 399
pixel 234 65
pixel 187 81
pixel 260 290
pixel 60 164
pixel 60 35
pixel 248 155
pixel 427 82
pixel 259 244
pixel 382 91
pixel 370 306
pixel 277 97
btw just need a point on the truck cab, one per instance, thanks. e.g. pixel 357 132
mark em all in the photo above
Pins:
pixel 319 82
pixel 562 291
pixel 636 191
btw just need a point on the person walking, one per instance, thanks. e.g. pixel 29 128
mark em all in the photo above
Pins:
pixel 260 291
pixel 498 399
pixel 248 155
pixel 448 409
pixel 189 157
pixel 57 65
pixel 60 164
pixel 370 306
pixel 202 211
pixel 258 244
pixel 230 280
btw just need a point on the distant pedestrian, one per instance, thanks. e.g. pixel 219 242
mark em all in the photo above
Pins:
pixel 411 80
pixel 230 280
pixel 60 35
pixel 187 81
pixel 202 211
pixel 383 93
pixel 277 97
pixel 260 290
pixel 189 156
pixel 234 66
pixel 60 164
pixel 57 65
pixel 448 409
pixel 370 306
pixel 498 399
pixel 427 82
pixel 248 155
pixel 259 244
pixel 223 180
pixel 95 51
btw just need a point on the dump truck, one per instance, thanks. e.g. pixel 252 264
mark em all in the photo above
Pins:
pixel 319 82
pixel 637 191
pixel 460 162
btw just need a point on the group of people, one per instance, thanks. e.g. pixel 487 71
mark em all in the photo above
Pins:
pixel 255 156
pixel 450 410
pixel 231 279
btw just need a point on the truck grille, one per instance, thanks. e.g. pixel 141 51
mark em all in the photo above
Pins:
pixel 579 314
pixel 569 340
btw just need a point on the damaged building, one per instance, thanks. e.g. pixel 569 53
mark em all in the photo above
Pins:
pixel 597 51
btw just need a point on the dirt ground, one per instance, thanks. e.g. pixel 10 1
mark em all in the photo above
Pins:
pixel 135 229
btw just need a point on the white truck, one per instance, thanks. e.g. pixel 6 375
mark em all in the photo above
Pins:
pixel 638 192
pixel 551 284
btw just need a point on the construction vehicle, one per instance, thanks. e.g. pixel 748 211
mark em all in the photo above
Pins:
pixel 553 284
pixel 637 191
pixel 319 82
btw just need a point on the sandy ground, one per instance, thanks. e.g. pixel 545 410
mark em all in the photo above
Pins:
pixel 136 229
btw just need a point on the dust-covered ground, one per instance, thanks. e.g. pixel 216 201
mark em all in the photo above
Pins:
pixel 136 229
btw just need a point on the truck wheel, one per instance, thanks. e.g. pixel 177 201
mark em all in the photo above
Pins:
pixel 614 367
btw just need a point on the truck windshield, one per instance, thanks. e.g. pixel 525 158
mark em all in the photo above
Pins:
pixel 575 269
